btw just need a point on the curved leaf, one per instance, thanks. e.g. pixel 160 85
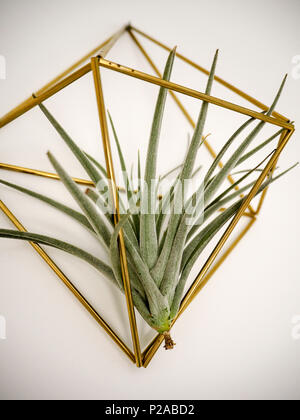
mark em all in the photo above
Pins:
pixel 65 209
pixel 79 154
pixel 82 200
pixel 63 246
pixel 148 235
pixel 157 302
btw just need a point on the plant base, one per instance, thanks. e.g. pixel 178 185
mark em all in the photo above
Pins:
pixel 169 343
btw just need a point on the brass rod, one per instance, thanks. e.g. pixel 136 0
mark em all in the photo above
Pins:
pixel 148 78
pixel 28 103
pixel 265 191
pixel 51 175
pixel 146 350
pixel 70 69
pixel 193 93
pixel 152 349
pixel 250 215
pixel 234 89
pixel 44 174
pixel 69 285
pixel 109 44
pixel 180 106
pixel 114 192
pixel 31 103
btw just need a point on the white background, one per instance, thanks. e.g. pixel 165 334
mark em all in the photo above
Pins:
pixel 236 339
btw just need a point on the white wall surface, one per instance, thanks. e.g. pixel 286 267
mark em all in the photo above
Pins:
pixel 236 340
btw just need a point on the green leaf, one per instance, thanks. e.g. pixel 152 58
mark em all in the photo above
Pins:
pixel 173 266
pixel 139 190
pixel 116 264
pixel 128 229
pixel 97 164
pixel 158 271
pixel 164 205
pixel 63 246
pixel 78 153
pixel 142 308
pixel 224 149
pixel 148 235
pixel 259 147
pixel 127 184
pixel 134 279
pixel 176 168
pixel 115 252
pixel 88 208
pixel 157 302
pixel 97 199
pixel 65 209
pixel 197 139
pixel 197 170
pixel 139 175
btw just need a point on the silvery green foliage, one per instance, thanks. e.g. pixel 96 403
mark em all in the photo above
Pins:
pixel 161 248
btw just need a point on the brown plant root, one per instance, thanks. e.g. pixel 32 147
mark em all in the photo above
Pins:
pixel 169 343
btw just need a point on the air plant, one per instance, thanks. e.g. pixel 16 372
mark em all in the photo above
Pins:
pixel 162 246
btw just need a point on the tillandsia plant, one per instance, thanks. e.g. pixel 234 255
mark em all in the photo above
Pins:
pixel 164 236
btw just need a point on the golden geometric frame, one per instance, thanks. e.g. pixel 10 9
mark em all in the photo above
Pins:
pixel 97 60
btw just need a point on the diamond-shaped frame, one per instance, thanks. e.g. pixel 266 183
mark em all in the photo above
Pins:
pixel 97 61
